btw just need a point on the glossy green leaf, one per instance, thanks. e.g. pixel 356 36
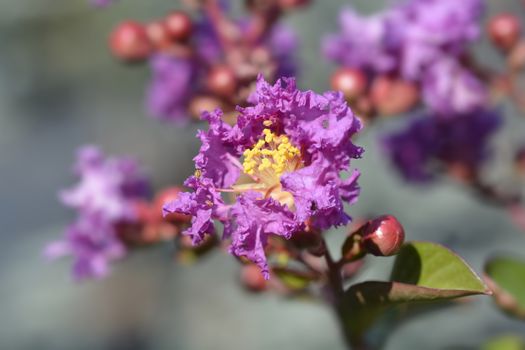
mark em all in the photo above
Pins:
pixel 422 272
pixel 506 276
pixel 431 265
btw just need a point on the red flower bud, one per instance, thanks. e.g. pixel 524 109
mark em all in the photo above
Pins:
pixel 504 31
pixel 167 195
pixel 129 42
pixel 158 34
pixel 178 25
pixel 292 4
pixel 200 104
pixel 383 236
pixel 221 81
pixel 393 95
pixel 351 82
pixel 252 278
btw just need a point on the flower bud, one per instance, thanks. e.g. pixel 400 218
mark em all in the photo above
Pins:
pixel 292 4
pixel 129 42
pixel 158 34
pixel 167 195
pixel 351 82
pixel 252 278
pixel 504 31
pixel 393 95
pixel 221 81
pixel 516 57
pixel 200 104
pixel 519 160
pixel 383 236
pixel 178 25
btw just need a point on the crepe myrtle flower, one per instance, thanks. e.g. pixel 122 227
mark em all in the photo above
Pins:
pixel 428 144
pixel 428 30
pixel 449 89
pixel 361 43
pixel 104 198
pixel 283 160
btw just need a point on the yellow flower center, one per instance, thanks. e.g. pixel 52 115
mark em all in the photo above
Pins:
pixel 272 156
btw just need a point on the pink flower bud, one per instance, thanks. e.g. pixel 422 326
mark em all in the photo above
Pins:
pixel 504 30
pixel 351 82
pixel 129 42
pixel 178 25
pixel 252 278
pixel 383 236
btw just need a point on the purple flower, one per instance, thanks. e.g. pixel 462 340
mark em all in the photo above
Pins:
pixel 427 30
pixel 284 43
pixel 450 89
pixel 283 159
pixel 171 87
pixel 93 244
pixel 103 198
pixel 428 144
pixel 106 186
pixel 408 37
pixel 362 42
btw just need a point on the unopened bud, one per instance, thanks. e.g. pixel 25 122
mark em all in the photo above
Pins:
pixel 516 57
pixel 351 82
pixel 158 34
pixel 504 31
pixel 178 25
pixel 252 278
pixel 165 196
pixel 383 236
pixel 201 104
pixel 221 81
pixel 292 4
pixel 393 95
pixel 129 42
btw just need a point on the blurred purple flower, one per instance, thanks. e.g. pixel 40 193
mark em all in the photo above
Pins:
pixel 103 198
pixel 427 30
pixel 428 144
pixel 361 43
pixel 294 146
pixel 93 244
pixel 450 89
pixel 171 87
pixel 284 43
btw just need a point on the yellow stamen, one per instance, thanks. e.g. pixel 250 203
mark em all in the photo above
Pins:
pixel 270 157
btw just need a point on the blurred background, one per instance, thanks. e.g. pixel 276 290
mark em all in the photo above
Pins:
pixel 60 88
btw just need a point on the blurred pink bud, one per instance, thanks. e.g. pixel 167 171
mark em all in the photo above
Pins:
pixel 351 82
pixel 392 95
pixel 504 31
pixel 129 42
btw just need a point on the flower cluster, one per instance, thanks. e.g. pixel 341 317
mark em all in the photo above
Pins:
pixel 283 161
pixel 210 61
pixel 176 81
pixel 421 41
pixel 103 199
pixel 429 145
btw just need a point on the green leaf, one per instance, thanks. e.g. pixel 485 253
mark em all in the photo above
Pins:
pixel 292 279
pixel 505 342
pixel 422 272
pixel 506 277
pixel 431 265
